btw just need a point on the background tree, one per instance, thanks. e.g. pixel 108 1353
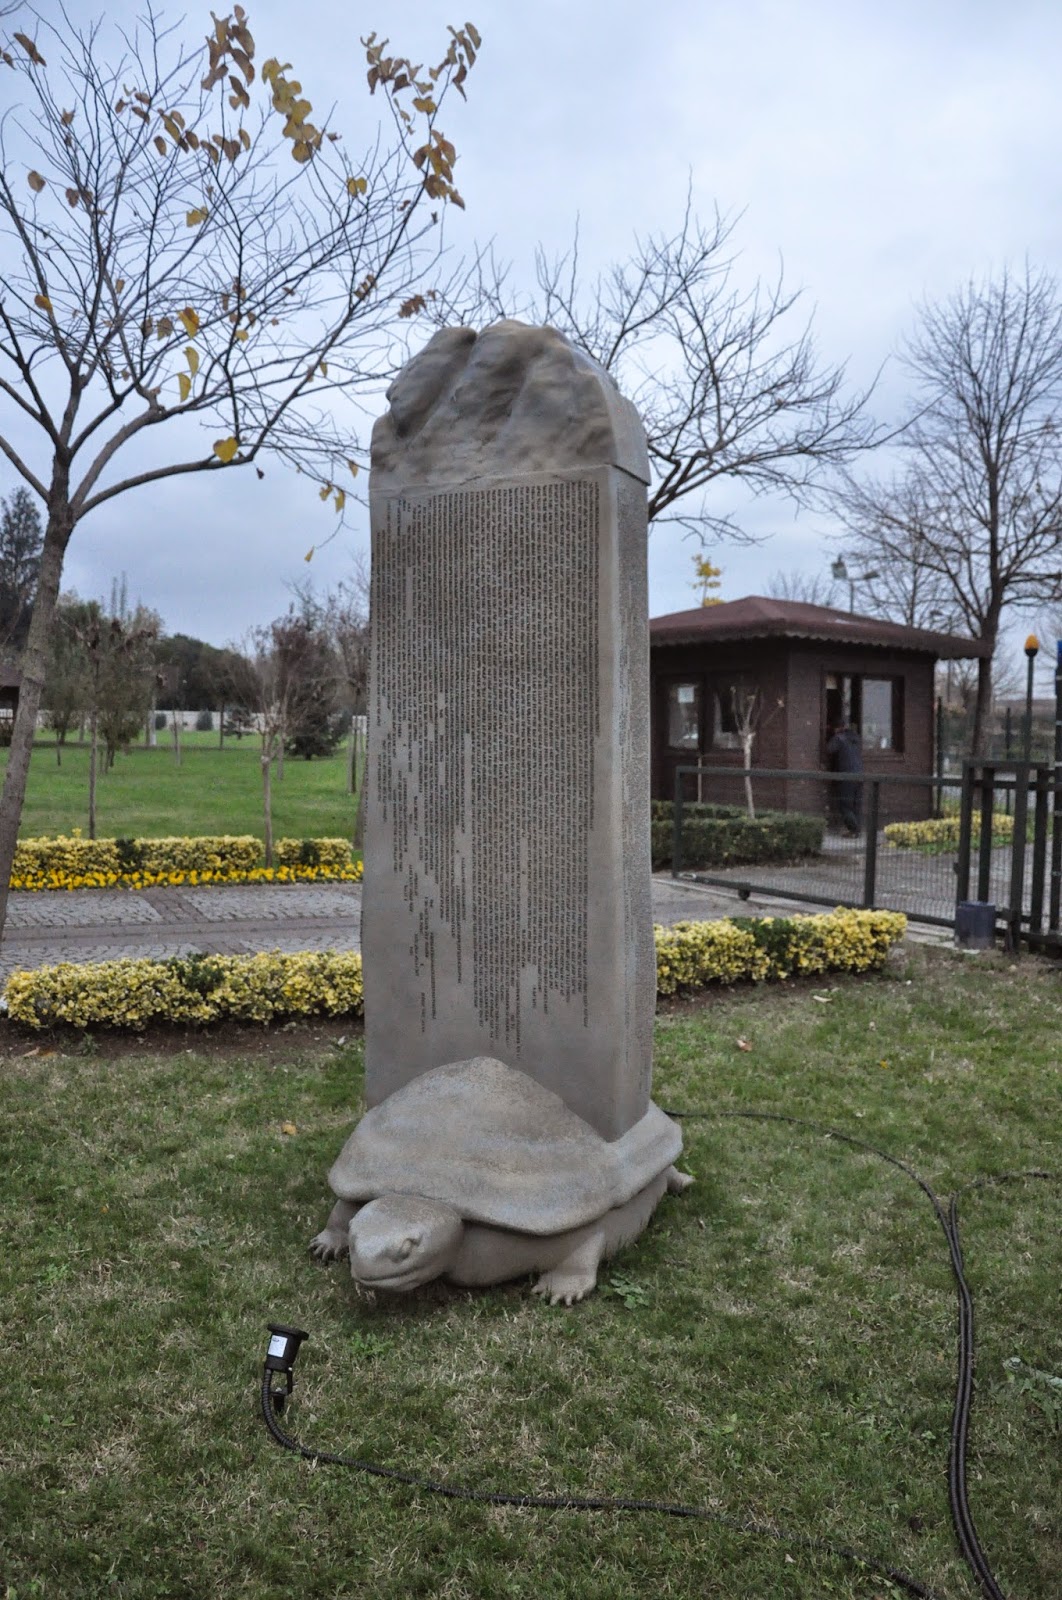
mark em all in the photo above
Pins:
pixel 126 684
pixel 113 649
pixel 65 689
pixel 202 670
pixel 707 580
pixel 319 725
pixel 971 525
pixel 275 679
pixel 808 588
pixel 342 614
pixel 180 243
pixel 21 540
pixel 727 382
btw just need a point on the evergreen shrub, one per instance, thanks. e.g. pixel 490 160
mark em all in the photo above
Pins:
pixel 726 836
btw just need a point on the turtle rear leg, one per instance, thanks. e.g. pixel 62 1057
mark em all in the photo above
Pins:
pixel 576 1274
pixel 334 1238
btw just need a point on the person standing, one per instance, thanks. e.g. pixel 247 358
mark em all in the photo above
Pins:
pixel 845 750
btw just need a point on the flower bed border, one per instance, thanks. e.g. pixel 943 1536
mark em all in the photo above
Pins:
pixel 72 862
pixel 201 989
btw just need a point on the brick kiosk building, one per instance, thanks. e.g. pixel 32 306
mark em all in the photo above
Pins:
pixel 811 667
pixel 10 684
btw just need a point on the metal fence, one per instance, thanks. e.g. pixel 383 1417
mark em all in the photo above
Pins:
pixel 1018 870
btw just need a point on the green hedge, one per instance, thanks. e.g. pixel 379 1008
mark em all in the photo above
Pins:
pixel 725 836
pixel 200 989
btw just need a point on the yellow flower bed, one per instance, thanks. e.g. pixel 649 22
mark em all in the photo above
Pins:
pixel 692 955
pixel 200 989
pixel 189 989
pixel 938 833
pixel 76 863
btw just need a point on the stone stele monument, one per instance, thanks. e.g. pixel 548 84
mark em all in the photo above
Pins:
pixel 507 925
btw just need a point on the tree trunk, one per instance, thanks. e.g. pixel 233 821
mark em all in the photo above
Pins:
pixel 983 703
pixel 746 750
pixel 267 802
pixel 34 664
pixel 93 746
pixel 359 819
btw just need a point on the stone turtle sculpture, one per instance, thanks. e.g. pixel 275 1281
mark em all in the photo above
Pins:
pixel 476 1173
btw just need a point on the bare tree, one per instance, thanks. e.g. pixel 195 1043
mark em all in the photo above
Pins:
pixel 810 589
pixel 975 514
pixel 728 384
pixel 179 243
pixel 117 667
pixel 277 675
pixel 746 710
pixel 342 614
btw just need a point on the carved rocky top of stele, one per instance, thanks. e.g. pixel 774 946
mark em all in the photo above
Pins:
pixel 509 402
pixel 499 1148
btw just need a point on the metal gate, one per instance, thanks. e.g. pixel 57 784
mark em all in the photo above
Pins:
pixel 1022 877
pixel 1008 850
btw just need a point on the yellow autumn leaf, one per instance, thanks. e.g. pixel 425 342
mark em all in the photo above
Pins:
pixel 35 181
pixel 341 499
pixel 184 383
pixel 356 186
pixel 309 554
pixel 225 449
pixel 191 355
pixel 194 218
pixel 30 47
pixel 353 465
pixel 288 1127
pixel 323 369
pixel 241 334
pixel 325 491
pixel 42 301
pixel 189 321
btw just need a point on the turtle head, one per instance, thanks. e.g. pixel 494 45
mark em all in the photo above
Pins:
pixel 400 1241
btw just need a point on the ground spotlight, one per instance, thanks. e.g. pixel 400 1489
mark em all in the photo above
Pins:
pixel 281 1355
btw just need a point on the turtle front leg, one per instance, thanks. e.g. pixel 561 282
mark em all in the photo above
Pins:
pixel 334 1238
pixel 575 1275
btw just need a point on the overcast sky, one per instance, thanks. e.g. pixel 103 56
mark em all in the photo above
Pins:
pixel 885 154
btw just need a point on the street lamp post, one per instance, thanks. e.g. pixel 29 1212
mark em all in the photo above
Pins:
pixel 1032 646
pixel 840 571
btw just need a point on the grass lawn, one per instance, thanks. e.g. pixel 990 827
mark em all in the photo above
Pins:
pixel 779 1345
pixel 147 795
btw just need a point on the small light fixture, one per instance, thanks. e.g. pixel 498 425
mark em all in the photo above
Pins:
pixel 281 1355
pixel 1032 646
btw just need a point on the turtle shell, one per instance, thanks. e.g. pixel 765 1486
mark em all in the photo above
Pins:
pixel 499 1148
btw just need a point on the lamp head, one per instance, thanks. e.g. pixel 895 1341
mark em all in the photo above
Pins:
pixel 1032 645
pixel 283 1348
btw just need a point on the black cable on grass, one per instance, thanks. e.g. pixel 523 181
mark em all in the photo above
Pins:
pixel 273 1400
pixel 961 1516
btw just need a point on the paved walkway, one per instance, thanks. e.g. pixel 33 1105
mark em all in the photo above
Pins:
pixel 238 919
